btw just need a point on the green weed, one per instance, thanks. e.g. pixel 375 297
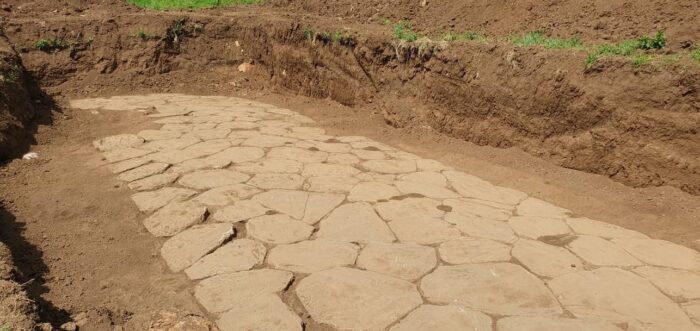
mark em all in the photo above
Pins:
pixel 404 31
pixel 309 33
pixel 537 38
pixel 5 328
pixel 627 48
pixel 464 36
pixel 189 4
pixel 640 60
pixel 695 53
pixel 141 34
pixel 51 44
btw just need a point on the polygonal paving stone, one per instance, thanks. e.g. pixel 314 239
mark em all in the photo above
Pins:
pixel 323 169
pixel 226 291
pixel 474 209
pixel 240 211
pixel 298 154
pixel 498 288
pixel 601 229
pixel 693 310
pixel 153 182
pixel 118 142
pixel 409 208
pixel 185 248
pixel 237 255
pixel 222 196
pixel 473 250
pixel 482 228
pixel 267 141
pixel 149 135
pixel 210 134
pixel 369 155
pixel 426 177
pixel 208 179
pixel 308 130
pixel 280 181
pixel 680 284
pixel 264 312
pixel 536 227
pixel 125 165
pixel 430 165
pixel 474 187
pixel 287 202
pixel 331 184
pixel 270 166
pixel 238 125
pixel 661 253
pixel 192 152
pixel 537 207
pixel 390 166
pixel 370 145
pixel 372 191
pixel 151 201
pixel 375 177
pixel 124 154
pixel 343 158
pixel 424 189
pixel 175 217
pixel 545 260
pixel 143 172
pixel 600 252
pixel 347 298
pixel 355 222
pixel 443 318
pixel 319 205
pixel 617 296
pixel 542 323
pixel 278 229
pixel 237 155
pixel 312 256
pixel 405 261
pixel 199 164
pixel 423 230
pixel 171 144
pixel 334 147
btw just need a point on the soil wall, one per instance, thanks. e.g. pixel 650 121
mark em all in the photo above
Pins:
pixel 636 125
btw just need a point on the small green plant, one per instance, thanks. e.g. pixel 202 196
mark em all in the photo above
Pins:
pixel 309 33
pixel 537 38
pixel 627 48
pixel 656 42
pixel 464 36
pixel 386 21
pixel 141 34
pixel 404 31
pixel 640 60
pixel 695 53
pixel 51 44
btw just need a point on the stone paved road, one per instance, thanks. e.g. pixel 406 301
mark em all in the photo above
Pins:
pixel 256 201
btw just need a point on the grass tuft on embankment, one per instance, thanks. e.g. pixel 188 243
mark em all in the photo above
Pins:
pixel 189 4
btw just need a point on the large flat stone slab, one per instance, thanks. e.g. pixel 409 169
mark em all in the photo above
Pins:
pixel 149 202
pixel 175 217
pixel 290 202
pixel 617 296
pixel 473 250
pixel 482 228
pixel 390 166
pixel 400 260
pixel 536 227
pixel 118 142
pixel 225 195
pixel 237 255
pixel 545 260
pixel 185 248
pixel 278 229
pixel 601 229
pixel 539 323
pixel 346 298
pixel 208 179
pixel 260 313
pixel 600 252
pixel 473 187
pixel 497 288
pixel 355 222
pixel 661 253
pixel 312 256
pixel 223 292
pixel 680 284
pixel 242 210
pixel 443 318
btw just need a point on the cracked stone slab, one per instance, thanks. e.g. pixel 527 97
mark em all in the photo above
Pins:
pixel 124 154
pixel 545 260
pixel 536 227
pixel 269 181
pixel 536 207
pixel 425 189
pixel 118 142
pixel 331 184
pixel 223 292
pixel 540 323
pixel 600 252
pixel 473 187
pixel 151 201
pixel 292 203
pixel 469 208
pixel 312 255
pixel 240 211
pixel 224 195
pixel 409 208
pixel 208 179
pixel 661 253
pixel 237 255
pixel 319 205
pixel 497 288
pixel 125 165
pixel 426 177
pixel 424 230
pixel 185 248
pixel 174 218
pixel 372 191
pixel 482 228
pixel 617 296
pixel 390 166
pixel 355 222
pixel 473 250
pixel 270 166
pixel 346 298
pixel 443 318
pixel 298 154
pixel 681 284
pixel 278 229
pixel 264 312
pixel 333 170
pixel 153 182
pixel 601 229
pixel 405 261
pixel 142 172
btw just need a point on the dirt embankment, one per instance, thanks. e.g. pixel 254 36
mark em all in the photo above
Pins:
pixel 16 107
pixel 17 312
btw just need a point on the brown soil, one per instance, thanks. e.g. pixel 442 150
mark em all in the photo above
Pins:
pixel 508 114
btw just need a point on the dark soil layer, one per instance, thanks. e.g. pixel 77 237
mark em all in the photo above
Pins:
pixel 16 107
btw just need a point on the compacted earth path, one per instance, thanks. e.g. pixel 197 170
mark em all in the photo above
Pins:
pixel 282 227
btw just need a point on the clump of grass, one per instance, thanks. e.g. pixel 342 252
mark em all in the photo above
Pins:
pixel 464 36
pixel 537 38
pixel 640 60
pixel 54 43
pixel 189 4
pixel 141 34
pixel 627 48
pixel 404 31
pixel 12 75
pixel 695 53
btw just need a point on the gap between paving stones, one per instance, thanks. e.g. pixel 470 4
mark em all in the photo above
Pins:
pixel 263 210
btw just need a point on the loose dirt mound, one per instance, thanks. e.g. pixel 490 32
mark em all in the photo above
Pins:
pixel 16 109
pixel 17 312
